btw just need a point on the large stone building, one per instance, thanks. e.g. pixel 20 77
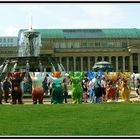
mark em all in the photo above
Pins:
pixel 79 49
pixel 8 47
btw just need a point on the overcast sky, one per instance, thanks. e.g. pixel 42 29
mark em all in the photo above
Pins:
pixel 66 15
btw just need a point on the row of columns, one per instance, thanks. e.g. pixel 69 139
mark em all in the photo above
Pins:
pixel 139 62
pixel 109 57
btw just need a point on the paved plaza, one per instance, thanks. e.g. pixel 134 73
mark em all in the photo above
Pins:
pixel 47 100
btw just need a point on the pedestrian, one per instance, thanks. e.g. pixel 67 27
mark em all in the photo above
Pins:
pixel 85 89
pixel 46 84
pixel 1 91
pixel 92 90
pixel 98 90
pixel 7 87
pixel 103 86
pixel 65 90
pixel 27 86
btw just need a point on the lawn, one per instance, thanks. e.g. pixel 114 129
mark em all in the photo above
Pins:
pixel 104 119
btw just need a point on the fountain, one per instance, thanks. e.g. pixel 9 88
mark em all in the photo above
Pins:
pixel 28 57
pixel 29 44
pixel 27 69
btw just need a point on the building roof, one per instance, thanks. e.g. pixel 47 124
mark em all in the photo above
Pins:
pixel 88 33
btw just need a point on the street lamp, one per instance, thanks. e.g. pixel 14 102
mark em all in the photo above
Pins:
pixel 129 50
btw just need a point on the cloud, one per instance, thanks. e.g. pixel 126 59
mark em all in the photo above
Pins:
pixel 68 15
pixel 100 15
pixel 91 15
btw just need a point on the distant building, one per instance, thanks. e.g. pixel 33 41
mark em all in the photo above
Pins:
pixel 8 41
pixel 80 49
pixel 8 46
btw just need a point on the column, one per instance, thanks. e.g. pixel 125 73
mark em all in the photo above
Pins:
pixel 116 63
pixel 131 63
pixel 95 59
pixel 123 63
pixel 88 63
pixel 81 63
pixel 110 59
pixel 102 58
pixel 60 60
pixel 139 62
pixel 67 64
pixel 74 62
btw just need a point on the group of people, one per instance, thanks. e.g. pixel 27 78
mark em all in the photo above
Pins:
pixel 10 88
pixel 84 89
pixel 105 87
pixel 15 85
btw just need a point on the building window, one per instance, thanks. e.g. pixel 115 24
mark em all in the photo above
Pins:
pixel 110 44
pixel 72 45
pixel 106 58
pixel 84 44
pixel 4 40
pixel 71 64
pixel 97 44
pixel 59 44
pixel 124 44
pixel 78 63
pixel 92 61
pixel 135 62
pixel 85 63
pixel 99 59
pixel 76 45
pixel 64 61
pixel 11 40
pixel 104 44
pixel 120 61
pixel 127 62
pixel 56 45
pixel 8 40
pixel 62 45
pixel 90 44
pixel 119 44
pixel 69 44
pixel 113 62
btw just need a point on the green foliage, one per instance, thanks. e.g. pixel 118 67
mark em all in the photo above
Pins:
pixel 104 119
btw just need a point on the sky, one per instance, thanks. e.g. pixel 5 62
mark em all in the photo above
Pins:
pixel 16 16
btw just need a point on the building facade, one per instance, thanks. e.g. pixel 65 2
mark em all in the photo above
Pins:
pixel 80 49
pixel 8 41
pixel 8 47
